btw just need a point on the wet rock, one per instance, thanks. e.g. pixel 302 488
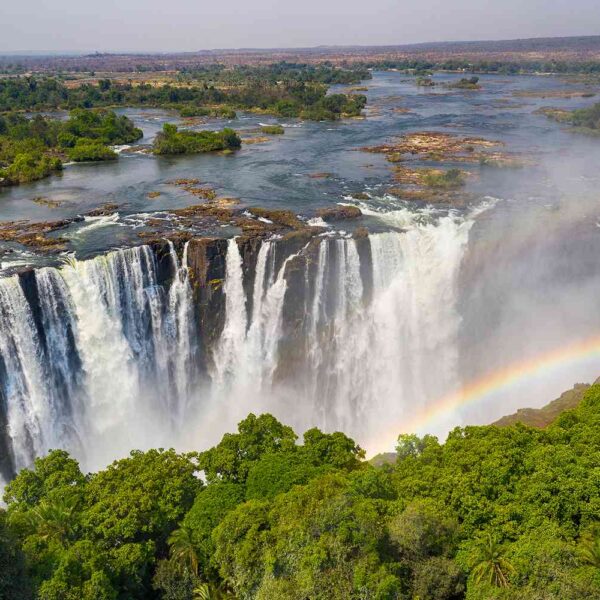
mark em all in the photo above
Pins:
pixel 207 265
pixel 285 218
pixel 34 235
pixel 106 209
pixel 339 213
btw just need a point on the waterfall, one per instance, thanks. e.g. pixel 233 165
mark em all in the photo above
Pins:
pixel 31 415
pixel 227 355
pixel 246 356
pixel 108 354
pixel 181 343
pixel 101 352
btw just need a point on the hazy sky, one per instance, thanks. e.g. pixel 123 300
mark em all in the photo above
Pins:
pixel 166 25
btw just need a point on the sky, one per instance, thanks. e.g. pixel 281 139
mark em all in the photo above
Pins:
pixel 190 25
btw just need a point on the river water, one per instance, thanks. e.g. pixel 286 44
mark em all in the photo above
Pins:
pixel 445 297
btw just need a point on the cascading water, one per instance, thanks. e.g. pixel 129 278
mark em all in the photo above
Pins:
pixel 109 354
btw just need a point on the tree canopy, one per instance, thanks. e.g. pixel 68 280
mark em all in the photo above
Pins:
pixel 494 513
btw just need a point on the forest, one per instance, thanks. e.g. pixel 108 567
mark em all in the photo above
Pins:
pixel 283 91
pixel 493 513
pixel 32 149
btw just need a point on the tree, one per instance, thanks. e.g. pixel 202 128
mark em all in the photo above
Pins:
pixel 14 583
pixel 173 582
pixel 490 566
pixel 210 507
pixel 589 548
pixel 55 473
pixel 230 460
pixel 141 498
pixel 55 518
pixel 411 445
pixel 183 549
pixel 335 449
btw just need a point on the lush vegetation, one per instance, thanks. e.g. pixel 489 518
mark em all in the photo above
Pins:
pixel 173 141
pixel 495 513
pixel 448 180
pixel 588 118
pixel 471 83
pixel 31 149
pixel 483 65
pixel 273 129
pixel 288 91
pixel 585 120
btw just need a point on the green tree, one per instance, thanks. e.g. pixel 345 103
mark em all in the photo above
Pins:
pixel 14 582
pixel 183 549
pixel 589 548
pixel 490 565
pixel 230 460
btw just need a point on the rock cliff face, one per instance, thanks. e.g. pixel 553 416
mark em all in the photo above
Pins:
pixel 542 417
pixel 206 259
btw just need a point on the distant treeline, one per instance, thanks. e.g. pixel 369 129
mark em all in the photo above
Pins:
pixel 298 94
pixel 487 66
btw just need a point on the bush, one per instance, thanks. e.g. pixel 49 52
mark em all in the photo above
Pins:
pixel 272 129
pixel 172 141
pixel 448 180
pixel 89 150
pixel 224 112
pixel 29 166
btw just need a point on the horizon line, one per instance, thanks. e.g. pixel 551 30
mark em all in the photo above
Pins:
pixel 90 53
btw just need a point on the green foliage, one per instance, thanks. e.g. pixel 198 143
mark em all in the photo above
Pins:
pixel 438 578
pixel 272 129
pixel 588 118
pixel 471 83
pixel 447 180
pixel 141 498
pixel 489 564
pixel 31 149
pixel 285 89
pixel 99 537
pixel 319 540
pixel 85 150
pixel 29 166
pixel 53 474
pixel 14 583
pixel 173 582
pixel 277 473
pixel 172 141
pixel 103 126
pixel 230 460
pixel 223 112
pixel 208 510
pixel 494 513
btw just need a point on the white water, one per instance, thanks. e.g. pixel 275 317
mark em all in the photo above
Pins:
pixel 119 365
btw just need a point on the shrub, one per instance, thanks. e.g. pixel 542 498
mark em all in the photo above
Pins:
pixel 273 129
pixel 89 150
pixel 173 141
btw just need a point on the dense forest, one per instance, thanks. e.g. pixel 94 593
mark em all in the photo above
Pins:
pixel 31 149
pixel 493 513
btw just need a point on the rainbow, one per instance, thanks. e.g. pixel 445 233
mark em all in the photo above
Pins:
pixel 479 390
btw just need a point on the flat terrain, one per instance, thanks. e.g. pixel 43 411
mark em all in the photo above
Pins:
pixel 537 50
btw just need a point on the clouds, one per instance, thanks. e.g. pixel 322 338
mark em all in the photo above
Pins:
pixel 188 25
